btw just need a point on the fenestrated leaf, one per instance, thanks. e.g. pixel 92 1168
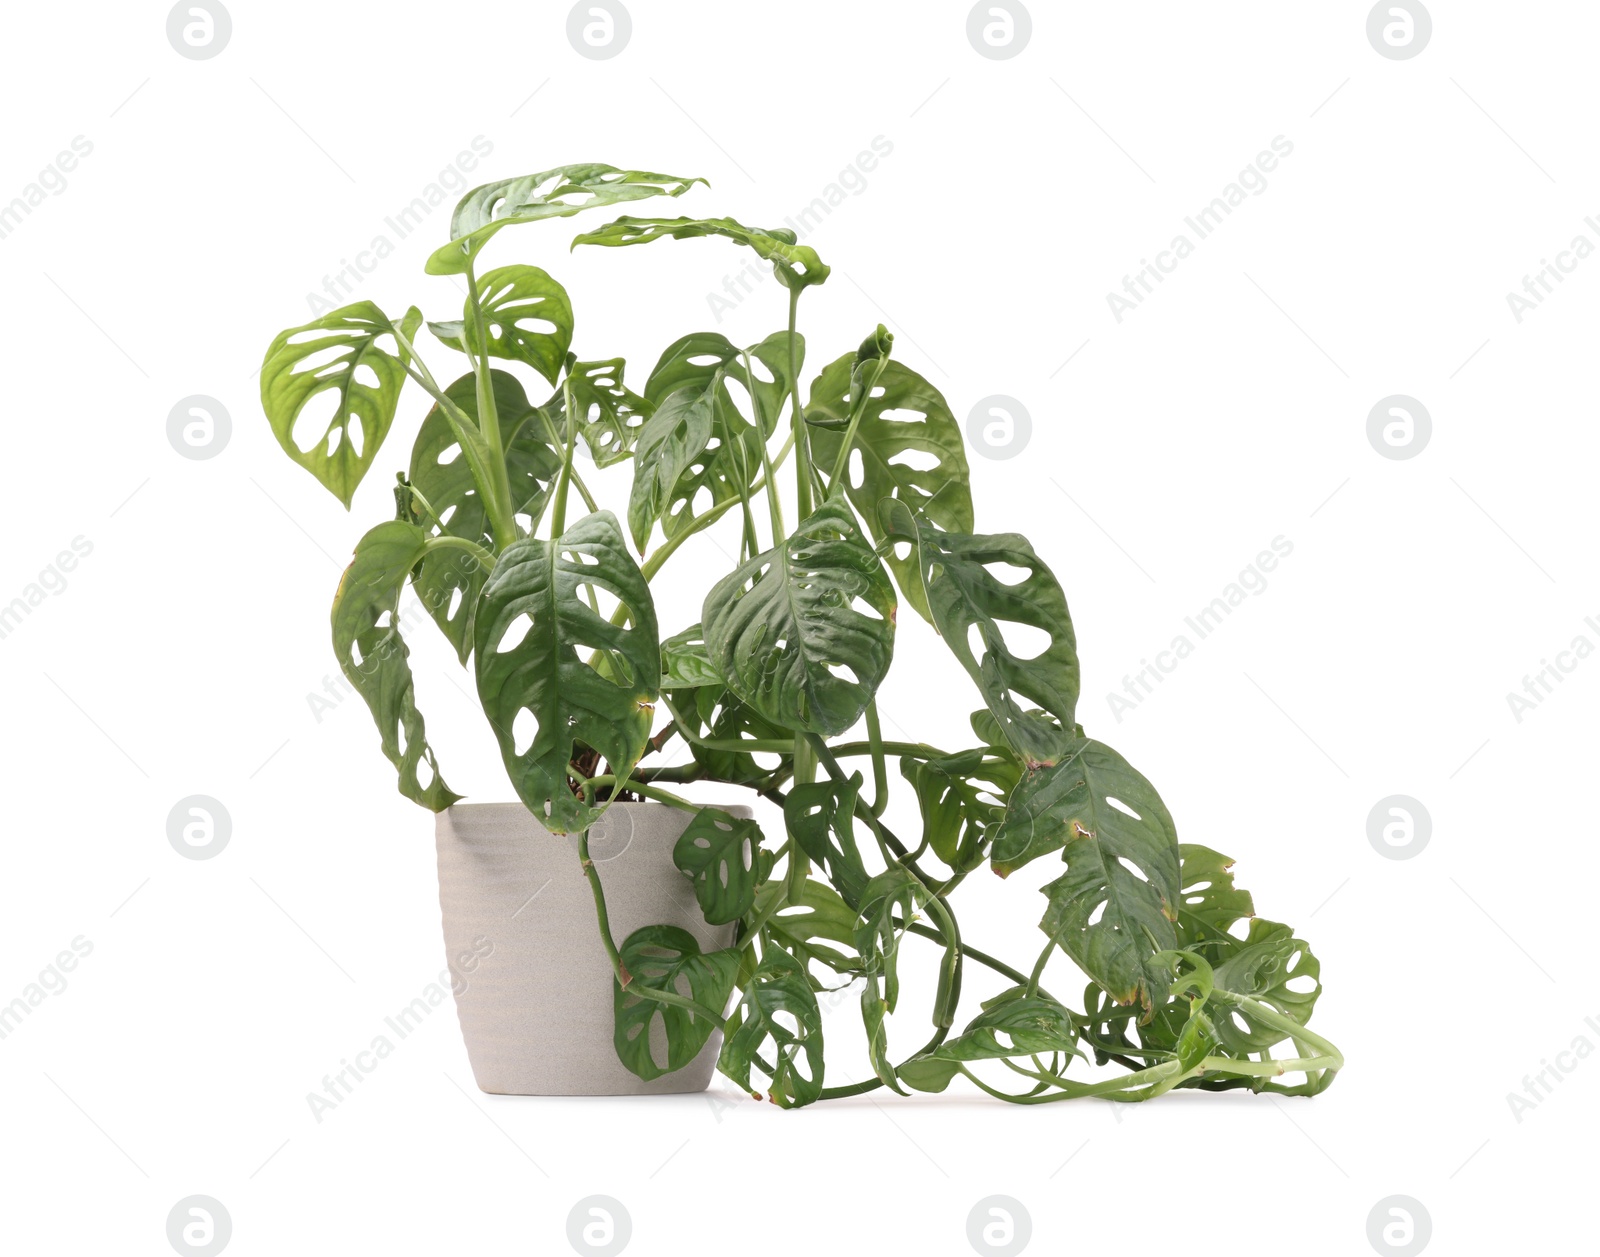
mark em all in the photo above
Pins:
pixel 533 621
pixel 671 440
pixel 1115 906
pixel 777 993
pixel 337 353
pixel 610 415
pixel 961 797
pixel 806 926
pixel 821 817
pixel 528 316
pixel 549 194
pixel 1012 1024
pixel 450 580
pixel 877 940
pixel 1209 903
pixel 372 655
pixel 719 853
pixel 796 266
pixel 684 662
pixel 786 635
pixel 665 958
pixel 1262 967
pixel 908 446
pixel 705 363
pixel 968 596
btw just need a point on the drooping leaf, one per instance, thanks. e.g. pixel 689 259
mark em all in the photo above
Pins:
pixel 450 580
pixel 665 958
pixel 778 994
pixel 1209 902
pixel 670 442
pixel 1262 967
pixel 821 817
pixel 528 316
pixel 908 446
pixel 1012 1024
pixel 971 602
pixel 877 939
pixel 374 658
pixel 684 662
pixel 610 416
pixel 786 635
pixel 533 621
pixel 806 926
pixel 343 353
pixel 719 853
pixel 554 193
pixel 1115 906
pixel 705 364
pixel 961 798
pixel 796 266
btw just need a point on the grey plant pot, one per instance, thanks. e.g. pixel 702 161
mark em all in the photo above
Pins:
pixel 533 984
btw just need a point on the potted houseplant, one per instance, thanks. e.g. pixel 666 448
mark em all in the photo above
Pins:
pixel 603 926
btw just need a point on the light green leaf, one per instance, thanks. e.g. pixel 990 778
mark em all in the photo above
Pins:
pixel 972 592
pixel 786 635
pixel 528 316
pixel 342 353
pixel 372 655
pixel 684 662
pixel 554 193
pixel 449 581
pixel 665 958
pixel 610 416
pixel 719 854
pixel 1262 967
pixel 806 926
pixel 1012 1024
pixel 532 623
pixel 796 266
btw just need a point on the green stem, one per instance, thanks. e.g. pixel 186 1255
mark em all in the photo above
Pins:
pixel 445 541
pixel 591 787
pixel 1038 969
pixel 774 506
pixel 499 488
pixel 858 408
pixel 802 439
pixel 880 772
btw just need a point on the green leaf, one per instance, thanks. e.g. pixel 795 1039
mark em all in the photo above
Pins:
pixel 908 447
pixel 450 580
pixel 665 958
pixel 1261 967
pixel 372 655
pixel 684 662
pixel 1115 906
pixel 971 594
pixel 342 353
pixel 719 853
pixel 821 817
pixel 779 989
pixel 531 625
pixel 670 442
pixel 786 635
pixel 1012 1024
pixel 705 363
pixel 876 939
pixel 1209 903
pixel 804 927
pixel 959 796
pixel 518 304
pixel 610 415
pixel 555 193
pixel 796 266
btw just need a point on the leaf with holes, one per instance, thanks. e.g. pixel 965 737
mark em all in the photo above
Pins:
pixel 532 621
pixel 670 442
pixel 877 939
pixel 528 316
pixel 780 1009
pixel 555 193
pixel 806 926
pixel 1263 967
pixel 684 662
pixel 969 602
pixel 665 958
pixel 449 581
pixel 343 354
pixel 961 798
pixel 610 415
pixel 372 655
pixel 719 854
pixel 1115 906
pixel 1012 1024
pixel 706 364
pixel 713 713
pixel 1210 903
pixel 784 631
pixel 821 817
pixel 796 266
pixel 908 447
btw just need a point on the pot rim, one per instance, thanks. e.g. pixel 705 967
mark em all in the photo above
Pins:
pixel 522 808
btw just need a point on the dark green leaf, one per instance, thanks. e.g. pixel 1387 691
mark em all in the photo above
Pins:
pixel 796 266
pixel 805 927
pixel 786 634
pixel 1210 903
pixel 1114 907
pixel 1012 1024
pixel 779 989
pixel 684 662
pixel 961 798
pixel 519 303
pixel 372 655
pixel 821 817
pixel 342 353
pixel 549 194
pixel 971 594
pixel 610 415
pixel 532 622
pixel 1262 967
pixel 719 853
pixel 908 447
pixel 670 442
pixel 665 958
pixel 450 580
pixel 876 939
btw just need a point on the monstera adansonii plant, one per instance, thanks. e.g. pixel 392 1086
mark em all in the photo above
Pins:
pixel 774 690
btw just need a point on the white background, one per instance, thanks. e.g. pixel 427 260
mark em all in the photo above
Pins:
pixel 1229 409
